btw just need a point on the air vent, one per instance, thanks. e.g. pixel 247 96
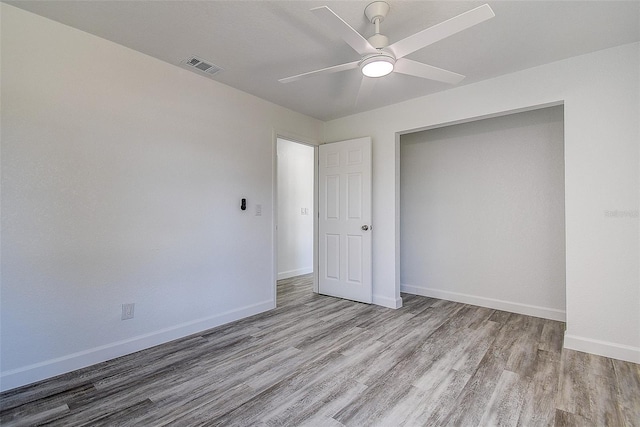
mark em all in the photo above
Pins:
pixel 201 65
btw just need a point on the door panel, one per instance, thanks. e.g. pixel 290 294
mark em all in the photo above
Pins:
pixel 354 259
pixel 345 207
pixel 332 256
pixel 333 197
pixel 354 196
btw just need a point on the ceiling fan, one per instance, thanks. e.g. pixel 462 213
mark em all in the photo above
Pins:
pixel 378 58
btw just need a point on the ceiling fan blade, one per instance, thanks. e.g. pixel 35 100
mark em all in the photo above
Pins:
pixel 418 69
pixel 344 30
pixel 328 70
pixel 367 85
pixel 442 30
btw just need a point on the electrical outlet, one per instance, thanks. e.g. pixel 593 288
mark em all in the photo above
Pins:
pixel 258 210
pixel 127 311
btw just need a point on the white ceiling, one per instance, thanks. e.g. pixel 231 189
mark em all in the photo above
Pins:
pixel 258 42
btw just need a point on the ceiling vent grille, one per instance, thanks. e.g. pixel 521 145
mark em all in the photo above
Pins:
pixel 193 62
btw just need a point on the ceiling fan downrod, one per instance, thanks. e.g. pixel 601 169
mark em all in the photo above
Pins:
pixel 375 13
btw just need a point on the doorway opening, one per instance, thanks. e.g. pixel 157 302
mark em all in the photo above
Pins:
pixel 295 217
pixel 482 213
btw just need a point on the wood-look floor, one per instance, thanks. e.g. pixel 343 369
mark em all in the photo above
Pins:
pixel 321 361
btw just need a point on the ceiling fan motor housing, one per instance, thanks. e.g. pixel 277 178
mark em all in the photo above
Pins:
pixel 378 41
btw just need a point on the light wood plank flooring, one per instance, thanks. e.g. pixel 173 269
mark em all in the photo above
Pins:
pixel 321 361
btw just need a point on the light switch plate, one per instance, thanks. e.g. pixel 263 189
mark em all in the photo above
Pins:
pixel 127 311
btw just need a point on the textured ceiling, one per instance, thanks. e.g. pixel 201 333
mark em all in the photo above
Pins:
pixel 259 42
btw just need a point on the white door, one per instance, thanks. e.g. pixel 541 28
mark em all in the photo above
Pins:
pixel 344 227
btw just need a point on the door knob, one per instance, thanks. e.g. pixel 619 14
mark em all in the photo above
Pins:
pixel 364 227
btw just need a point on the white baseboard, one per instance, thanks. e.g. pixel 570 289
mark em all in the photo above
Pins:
pixel 602 348
pixel 294 273
pixel 50 368
pixel 387 302
pixel 513 307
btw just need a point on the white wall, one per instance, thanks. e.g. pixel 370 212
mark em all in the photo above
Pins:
pixel 482 213
pixel 601 95
pixel 295 193
pixel 121 182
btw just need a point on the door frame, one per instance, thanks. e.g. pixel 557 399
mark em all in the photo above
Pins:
pixel 289 136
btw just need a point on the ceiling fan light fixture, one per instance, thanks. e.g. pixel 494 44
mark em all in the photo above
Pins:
pixel 378 65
